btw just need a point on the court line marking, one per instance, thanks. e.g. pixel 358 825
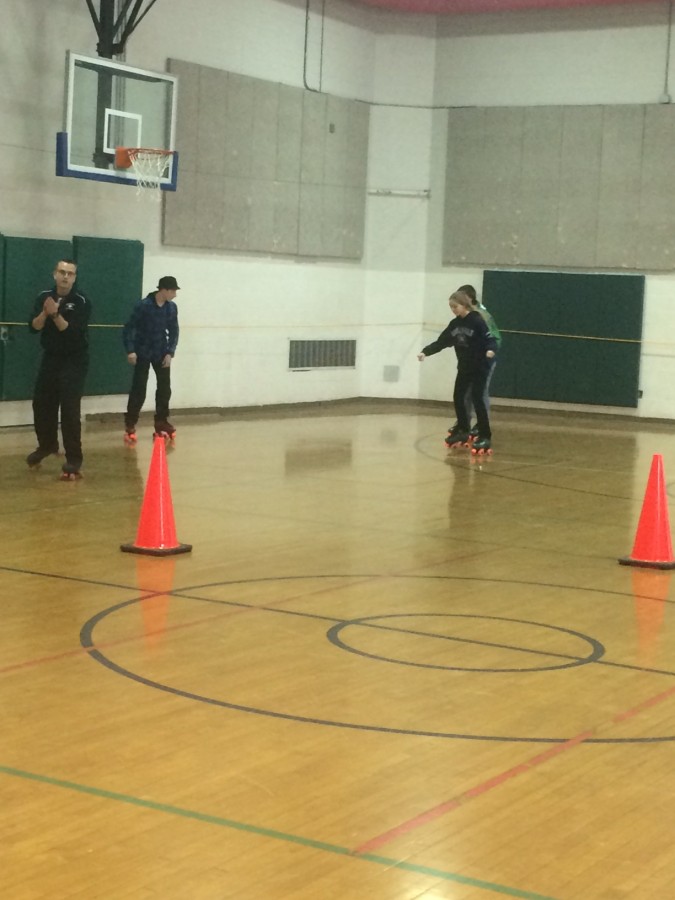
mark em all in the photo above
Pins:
pixel 272 833
pixel 184 594
pixel 376 575
pixel 507 775
pixel 429 815
pixel 462 462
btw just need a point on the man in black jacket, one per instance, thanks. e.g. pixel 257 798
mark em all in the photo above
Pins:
pixel 60 316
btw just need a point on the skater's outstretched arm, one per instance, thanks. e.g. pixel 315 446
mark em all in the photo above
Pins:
pixel 444 340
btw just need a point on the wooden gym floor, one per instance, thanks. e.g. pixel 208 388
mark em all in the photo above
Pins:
pixel 385 671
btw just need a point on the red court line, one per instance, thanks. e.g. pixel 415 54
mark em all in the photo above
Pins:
pixel 502 778
pixel 78 651
pixel 449 805
pixel 646 704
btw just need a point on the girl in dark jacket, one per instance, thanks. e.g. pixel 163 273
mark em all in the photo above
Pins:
pixel 475 349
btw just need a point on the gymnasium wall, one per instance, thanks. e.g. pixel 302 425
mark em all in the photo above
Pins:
pixel 239 309
pixel 539 61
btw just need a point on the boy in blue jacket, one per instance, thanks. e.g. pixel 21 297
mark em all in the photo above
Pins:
pixel 150 339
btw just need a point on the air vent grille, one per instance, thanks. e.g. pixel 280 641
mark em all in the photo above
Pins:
pixel 322 355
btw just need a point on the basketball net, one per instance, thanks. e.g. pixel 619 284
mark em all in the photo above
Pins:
pixel 149 166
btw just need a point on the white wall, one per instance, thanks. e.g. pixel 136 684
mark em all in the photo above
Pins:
pixel 238 312
pixel 399 183
pixel 613 54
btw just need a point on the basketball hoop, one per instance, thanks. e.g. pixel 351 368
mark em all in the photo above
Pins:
pixel 148 164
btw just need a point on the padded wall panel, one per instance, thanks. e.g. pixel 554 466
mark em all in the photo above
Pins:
pixel 289 134
pixel 579 185
pixel 356 169
pixel 592 187
pixel 504 196
pixel 239 113
pixel 313 148
pixel 269 168
pixel 657 227
pixel 568 337
pixel 265 130
pixel 465 219
pixel 353 222
pixel 187 137
pixel 214 139
pixel 337 135
pixel 205 229
pixel 184 208
pixel 234 207
pixel 111 274
pixel 273 217
pixel 312 220
pixel 333 202
pixel 619 200
pixel 261 216
pixel 535 216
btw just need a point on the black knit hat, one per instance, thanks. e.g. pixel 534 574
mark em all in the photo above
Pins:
pixel 167 283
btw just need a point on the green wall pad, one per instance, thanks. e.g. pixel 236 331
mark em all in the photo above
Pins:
pixel 110 273
pixel 569 338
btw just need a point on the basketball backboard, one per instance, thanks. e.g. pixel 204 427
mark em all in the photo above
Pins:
pixel 110 105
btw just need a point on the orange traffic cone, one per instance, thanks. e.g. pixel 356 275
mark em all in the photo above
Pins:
pixel 653 548
pixel 156 534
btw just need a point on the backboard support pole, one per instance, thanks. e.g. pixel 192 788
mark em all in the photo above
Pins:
pixel 107 26
pixel 106 48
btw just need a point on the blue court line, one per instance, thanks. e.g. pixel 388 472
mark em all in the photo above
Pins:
pixel 272 833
